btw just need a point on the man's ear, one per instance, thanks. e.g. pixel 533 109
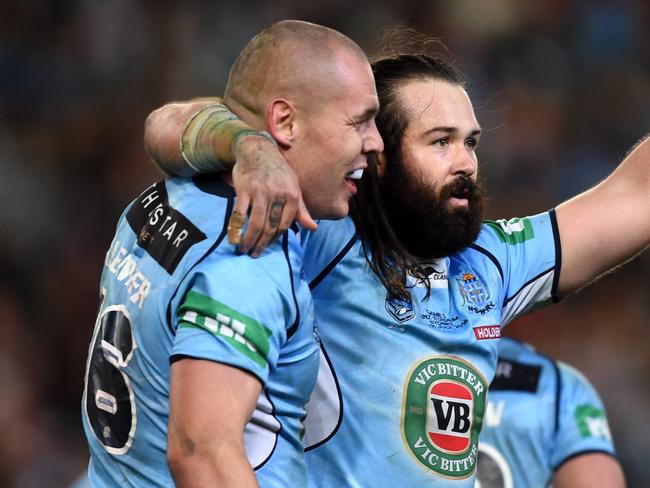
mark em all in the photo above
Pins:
pixel 381 164
pixel 281 121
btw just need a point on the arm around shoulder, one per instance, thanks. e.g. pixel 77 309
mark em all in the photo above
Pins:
pixel 163 129
pixel 204 136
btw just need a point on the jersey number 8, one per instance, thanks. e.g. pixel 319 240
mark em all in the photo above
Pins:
pixel 108 401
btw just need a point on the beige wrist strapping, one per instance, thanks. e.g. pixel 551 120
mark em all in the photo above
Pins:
pixel 209 140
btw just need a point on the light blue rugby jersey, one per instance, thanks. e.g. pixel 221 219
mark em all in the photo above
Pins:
pixel 401 392
pixel 541 413
pixel 174 287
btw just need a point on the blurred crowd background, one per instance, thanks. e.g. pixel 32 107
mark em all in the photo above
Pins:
pixel 562 89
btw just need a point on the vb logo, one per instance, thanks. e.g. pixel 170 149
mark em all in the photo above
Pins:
pixel 448 416
pixel 443 409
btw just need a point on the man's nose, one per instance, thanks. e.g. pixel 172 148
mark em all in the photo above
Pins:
pixel 465 162
pixel 373 141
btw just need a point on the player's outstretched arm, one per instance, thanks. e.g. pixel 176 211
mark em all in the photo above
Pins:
pixel 203 136
pixel 210 404
pixel 607 225
pixel 589 470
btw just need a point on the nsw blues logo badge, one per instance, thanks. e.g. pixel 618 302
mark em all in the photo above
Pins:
pixel 400 309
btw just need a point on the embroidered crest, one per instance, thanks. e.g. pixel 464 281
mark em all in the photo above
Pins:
pixel 474 294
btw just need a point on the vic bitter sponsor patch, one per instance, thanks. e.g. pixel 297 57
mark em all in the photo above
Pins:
pixel 442 413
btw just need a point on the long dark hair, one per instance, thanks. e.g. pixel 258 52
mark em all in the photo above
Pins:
pixel 387 257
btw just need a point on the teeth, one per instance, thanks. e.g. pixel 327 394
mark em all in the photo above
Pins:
pixel 355 175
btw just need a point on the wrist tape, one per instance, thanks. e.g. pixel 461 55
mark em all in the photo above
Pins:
pixel 209 140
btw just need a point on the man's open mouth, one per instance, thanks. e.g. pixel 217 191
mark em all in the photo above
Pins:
pixel 355 175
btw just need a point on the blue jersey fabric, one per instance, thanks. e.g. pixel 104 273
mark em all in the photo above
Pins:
pixel 173 287
pixel 540 413
pixel 401 392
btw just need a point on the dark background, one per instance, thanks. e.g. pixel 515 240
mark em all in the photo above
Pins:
pixel 562 89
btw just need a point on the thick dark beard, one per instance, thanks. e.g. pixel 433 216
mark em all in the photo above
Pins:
pixel 422 221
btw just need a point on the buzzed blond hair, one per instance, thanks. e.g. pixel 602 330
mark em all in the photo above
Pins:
pixel 291 59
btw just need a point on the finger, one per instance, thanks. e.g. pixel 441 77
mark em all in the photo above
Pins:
pixel 289 213
pixel 237 219
pixel 256 221
pixel 235 225
pixel 271 227
pixel 303 217
pixel 242 202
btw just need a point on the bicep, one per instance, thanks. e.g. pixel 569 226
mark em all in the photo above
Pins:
pixel 607 225
pixel 588 470
pixel 600 229
pixel 210 404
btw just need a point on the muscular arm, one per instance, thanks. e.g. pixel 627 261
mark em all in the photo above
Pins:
pixel 262 178
pixel 607 225
pixel 210 403
pixel 162 135
pixel 589 470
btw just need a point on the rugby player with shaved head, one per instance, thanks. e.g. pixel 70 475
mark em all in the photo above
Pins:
pixel 411 293
pixel 202 359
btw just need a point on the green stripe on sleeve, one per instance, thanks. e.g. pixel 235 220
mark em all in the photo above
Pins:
pixel 513 231
pixel 245 334
pixel 592 421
